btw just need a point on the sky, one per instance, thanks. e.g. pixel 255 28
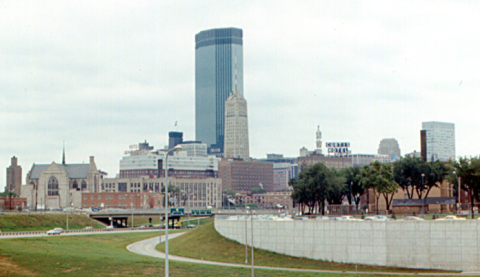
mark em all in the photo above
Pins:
pixel 103 75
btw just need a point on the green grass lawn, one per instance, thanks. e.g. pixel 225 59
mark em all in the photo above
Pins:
pixel 104 255
pixel 43 222
pixel 205 243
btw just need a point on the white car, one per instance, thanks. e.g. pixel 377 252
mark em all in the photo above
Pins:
pixel 58 229
pixel 347 218
pixel 413 218
pixel 110 227
pixel 54 232
pixel 377 218
pixel 451 217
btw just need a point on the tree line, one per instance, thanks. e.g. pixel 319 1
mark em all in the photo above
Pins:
pixel 318 185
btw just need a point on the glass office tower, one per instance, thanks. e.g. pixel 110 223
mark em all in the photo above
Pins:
pixel 217 53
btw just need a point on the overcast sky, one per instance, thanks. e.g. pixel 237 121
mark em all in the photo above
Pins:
pixel 102 75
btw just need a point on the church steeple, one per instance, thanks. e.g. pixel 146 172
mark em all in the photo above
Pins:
pixel 63 157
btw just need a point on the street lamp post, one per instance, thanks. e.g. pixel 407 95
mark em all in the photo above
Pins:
pixel 131 205
pixel 421 193
pixel 458 204
pixel 165 157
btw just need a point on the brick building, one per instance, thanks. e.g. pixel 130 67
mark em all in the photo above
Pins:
pixel 243 175
pixel 123 200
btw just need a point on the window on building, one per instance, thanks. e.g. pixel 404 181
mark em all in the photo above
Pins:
pixel 84 184
pixel 99 197
pixel 53 186
pixel 75 185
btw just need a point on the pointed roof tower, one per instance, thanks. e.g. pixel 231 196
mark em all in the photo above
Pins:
pixel 63 157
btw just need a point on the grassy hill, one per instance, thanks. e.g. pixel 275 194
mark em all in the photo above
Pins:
pixel 42 222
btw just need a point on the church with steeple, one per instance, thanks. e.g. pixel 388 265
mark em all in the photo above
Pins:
pixel 54 185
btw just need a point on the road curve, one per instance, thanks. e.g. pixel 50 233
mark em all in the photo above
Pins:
pixel 147 248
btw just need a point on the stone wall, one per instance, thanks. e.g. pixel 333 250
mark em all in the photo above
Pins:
pixel 448 245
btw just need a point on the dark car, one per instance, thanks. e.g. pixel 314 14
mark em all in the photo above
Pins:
pixel 95 209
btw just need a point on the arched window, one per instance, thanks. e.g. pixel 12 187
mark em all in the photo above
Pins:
pixel 84 184
pixel 53 186
pixel 75 184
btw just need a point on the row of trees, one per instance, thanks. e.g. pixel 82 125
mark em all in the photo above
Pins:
pixel 318 184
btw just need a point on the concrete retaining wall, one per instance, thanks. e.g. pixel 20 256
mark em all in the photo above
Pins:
pixel 449 245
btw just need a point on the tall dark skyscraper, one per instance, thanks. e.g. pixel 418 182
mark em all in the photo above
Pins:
pixel 218 69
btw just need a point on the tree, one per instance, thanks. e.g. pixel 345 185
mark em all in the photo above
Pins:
pixel 315 186
pixel 227 194
pixel 468 171
pixel 258 190
pixel 9 194
pixel 408 175
pixel 353 175
pixel 379 177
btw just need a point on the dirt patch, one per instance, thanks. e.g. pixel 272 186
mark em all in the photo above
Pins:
pixel 7 267
pixel 71 269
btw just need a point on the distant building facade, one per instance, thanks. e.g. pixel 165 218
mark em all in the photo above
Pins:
pixel 438 141
pixel 174 138
pixel 140 163
pixel 236 127
pixel 390 147
pixel 123 200
pixel 192 192
pixel 269 200
pixel 329 161
pixel 14 177
pixel 218 55
pixel 368 159
pixel 243 175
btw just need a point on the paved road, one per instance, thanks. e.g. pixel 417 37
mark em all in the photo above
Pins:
pixel 83 233
pixel 147 248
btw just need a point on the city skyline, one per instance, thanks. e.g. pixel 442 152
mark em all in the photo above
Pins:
pixel 101 79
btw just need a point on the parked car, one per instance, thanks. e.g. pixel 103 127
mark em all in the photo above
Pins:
pixel 301 218
pixel 451 217
pixel 323 218
pixel 413 218
pixel 54 232
pixel 347 218
pixel 58 229
pixel 376 218
pixel 110 227
pixel 191 226
pixel 88 228
pixel 2 213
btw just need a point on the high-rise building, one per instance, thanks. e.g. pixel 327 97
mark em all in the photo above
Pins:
pixel 217 53
pixel 390 148
pixel 14 177
pixel 174 138
pixel 236 127
pixel 438 141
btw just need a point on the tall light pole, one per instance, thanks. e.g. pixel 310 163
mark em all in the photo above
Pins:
pixel 246 250
pixel 165 157
pixel 253 274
